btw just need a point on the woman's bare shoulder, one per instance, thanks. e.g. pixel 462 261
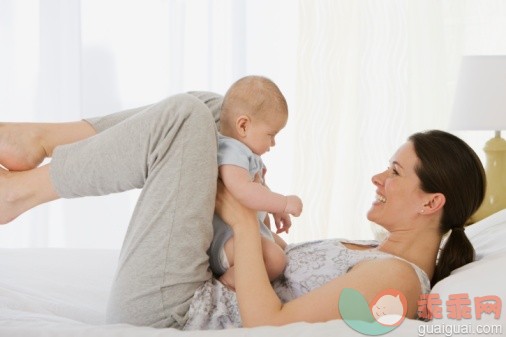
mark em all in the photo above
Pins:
pixel 391 271
pixel 374 276
pixel 369 278
pixel 388 262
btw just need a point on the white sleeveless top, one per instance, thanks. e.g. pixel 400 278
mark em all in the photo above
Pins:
pixel 310 265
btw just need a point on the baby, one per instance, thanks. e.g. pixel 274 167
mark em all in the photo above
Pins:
pixel 253 112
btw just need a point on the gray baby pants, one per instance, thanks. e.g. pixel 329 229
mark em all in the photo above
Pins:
pixel 168 150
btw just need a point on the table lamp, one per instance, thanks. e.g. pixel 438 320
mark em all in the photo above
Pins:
pixel 480 104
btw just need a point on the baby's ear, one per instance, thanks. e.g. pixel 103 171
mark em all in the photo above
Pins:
pixel 242 124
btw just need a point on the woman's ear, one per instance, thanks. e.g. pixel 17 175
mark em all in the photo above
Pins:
pixel 241 125
pixel 435 203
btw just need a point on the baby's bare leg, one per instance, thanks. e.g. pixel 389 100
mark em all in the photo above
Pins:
pixel 23 146
pixel 228 277
pixel 21 191
pixel 274 259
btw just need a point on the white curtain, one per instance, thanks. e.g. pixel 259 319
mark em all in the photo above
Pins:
pixel 370 73
pixel 64 60
pixel 359 77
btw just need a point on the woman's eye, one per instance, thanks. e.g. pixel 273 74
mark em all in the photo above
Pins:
pixel 393 171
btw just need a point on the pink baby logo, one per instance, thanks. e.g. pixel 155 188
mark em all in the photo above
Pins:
pixel 385 313
pixel 389 307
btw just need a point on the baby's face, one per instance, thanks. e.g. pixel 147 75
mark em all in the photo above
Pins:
pixel 261 134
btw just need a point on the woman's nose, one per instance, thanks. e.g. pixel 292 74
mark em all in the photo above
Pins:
pixel 378 179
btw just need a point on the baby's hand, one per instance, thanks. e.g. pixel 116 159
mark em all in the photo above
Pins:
pixel 283 222
pixel 293 205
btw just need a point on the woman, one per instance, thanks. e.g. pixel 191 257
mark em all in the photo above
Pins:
pixel 434 183
pixel 169 150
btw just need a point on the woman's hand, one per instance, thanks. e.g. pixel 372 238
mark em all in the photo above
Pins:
pixel 231 210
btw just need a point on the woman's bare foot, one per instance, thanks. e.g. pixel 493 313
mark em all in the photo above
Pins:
pixel 21 191
pixel 23 146
pixel 7 213
pixel 20 146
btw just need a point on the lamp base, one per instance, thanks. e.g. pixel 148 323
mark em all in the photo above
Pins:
pixel 495 196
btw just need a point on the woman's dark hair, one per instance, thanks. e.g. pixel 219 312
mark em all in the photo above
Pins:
pixel 449 166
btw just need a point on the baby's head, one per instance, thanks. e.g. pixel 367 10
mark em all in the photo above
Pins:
pixel 253 111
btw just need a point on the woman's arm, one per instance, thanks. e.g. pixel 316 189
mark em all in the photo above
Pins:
pixel 254 290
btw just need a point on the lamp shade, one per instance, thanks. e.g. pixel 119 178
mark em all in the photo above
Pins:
pixel 480 98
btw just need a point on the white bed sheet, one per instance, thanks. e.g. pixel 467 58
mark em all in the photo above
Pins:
pixel 63 292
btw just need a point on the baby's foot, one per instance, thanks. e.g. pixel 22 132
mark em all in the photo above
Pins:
pixel 20 146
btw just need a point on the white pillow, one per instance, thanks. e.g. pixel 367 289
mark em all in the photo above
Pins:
pixel 483 277
pixel 476 279
pixel 488 236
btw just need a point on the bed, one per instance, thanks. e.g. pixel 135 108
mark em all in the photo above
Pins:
pixel 63 292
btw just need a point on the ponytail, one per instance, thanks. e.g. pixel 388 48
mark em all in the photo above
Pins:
pixel 449 166
pixel 456 252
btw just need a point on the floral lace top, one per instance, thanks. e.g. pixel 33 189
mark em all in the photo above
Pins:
pixel 310 265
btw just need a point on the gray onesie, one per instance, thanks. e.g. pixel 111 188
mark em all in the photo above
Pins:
pixel 233 152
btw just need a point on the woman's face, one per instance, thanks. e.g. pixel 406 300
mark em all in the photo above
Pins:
pixel 399 198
